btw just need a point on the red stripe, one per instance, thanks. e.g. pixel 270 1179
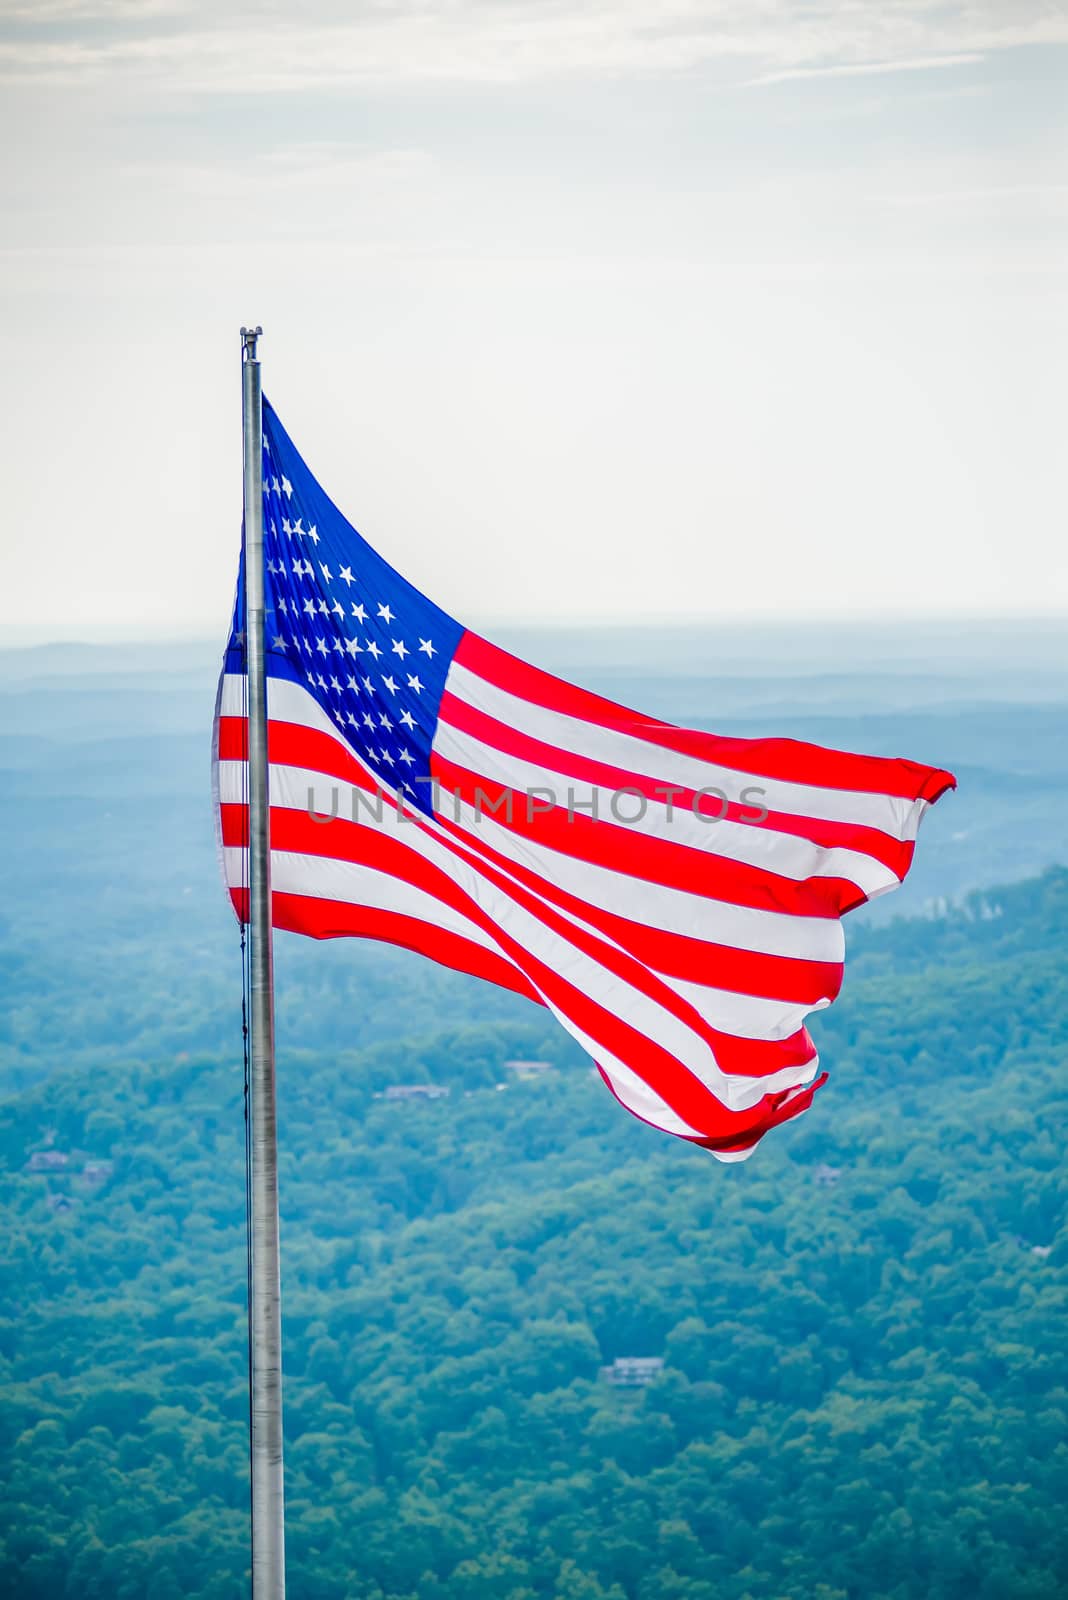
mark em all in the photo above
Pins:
pixel 338 919
pixel 672 1080
pixel 292 744
pixel 839 896
pixel 791 979
pixel 787 759
pixel 232 738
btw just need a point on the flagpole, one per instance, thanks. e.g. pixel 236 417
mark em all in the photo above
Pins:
pixel 268 1510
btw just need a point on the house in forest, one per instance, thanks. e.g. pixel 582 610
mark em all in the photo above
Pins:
pixel 416 1091
pixel 47 1161
pixel 528 1069
pixel 826 1176
pixel 633 1372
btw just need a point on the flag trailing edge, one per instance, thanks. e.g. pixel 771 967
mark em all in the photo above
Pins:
pixel 672 896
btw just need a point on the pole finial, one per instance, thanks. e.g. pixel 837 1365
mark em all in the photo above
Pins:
pixel 248 342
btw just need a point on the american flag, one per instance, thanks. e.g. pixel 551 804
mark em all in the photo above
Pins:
pixel 673 897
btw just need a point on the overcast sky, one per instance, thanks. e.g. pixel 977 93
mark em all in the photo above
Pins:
pixel 653 309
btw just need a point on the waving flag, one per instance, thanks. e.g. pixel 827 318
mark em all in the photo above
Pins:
pixel 673 897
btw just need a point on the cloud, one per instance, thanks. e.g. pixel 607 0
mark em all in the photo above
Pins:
pixel 855 69
pixel 313 164
pixel 40 13
pixel 272 47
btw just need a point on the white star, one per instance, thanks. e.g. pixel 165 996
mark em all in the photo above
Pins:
pixel 321 681
pixel 385 756
pixel 413 683
pixel 287 526
pixel 409 760
pixel 350 683
pixel 385 613
pixel 283 605
pixel 312 535
pixel 407 719
pixel 359 613
pixel 353 647
pixel 353 722
pixel 297 527
pixel 320 645
pixel 335 685
pixel 309 606
pixel 369 686
pixel 287 487
pixel 368 720
pixel 384 722
pixel 338 609
pixel 324 608
pixel 400 648
pixel 345 576
pixel 391 684
pixel 427 646
pixel 271 568
pixel 325 570
pixel 372 649
pixel 338 648
pixel 278 643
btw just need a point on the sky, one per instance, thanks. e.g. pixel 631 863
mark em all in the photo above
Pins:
pixel 636 312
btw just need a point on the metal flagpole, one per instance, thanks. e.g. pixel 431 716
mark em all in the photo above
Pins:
pixel 268 1526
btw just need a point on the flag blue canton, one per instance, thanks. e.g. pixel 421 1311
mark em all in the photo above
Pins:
pixel 371 650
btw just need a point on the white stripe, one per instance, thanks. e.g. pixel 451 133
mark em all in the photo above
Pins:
pixel 323 878
pixel 747 1016
pixel 890 813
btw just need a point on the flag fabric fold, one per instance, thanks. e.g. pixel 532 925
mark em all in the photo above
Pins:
pixel 673 897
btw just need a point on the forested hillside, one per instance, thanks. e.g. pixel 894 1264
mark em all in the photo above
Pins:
pixel 864 1330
